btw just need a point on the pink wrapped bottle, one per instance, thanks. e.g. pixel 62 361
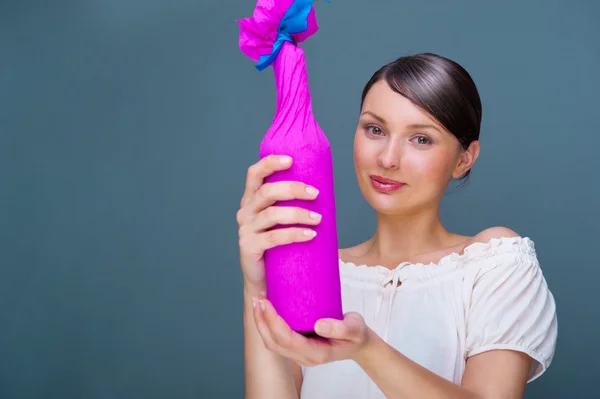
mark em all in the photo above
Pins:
pixel 303 280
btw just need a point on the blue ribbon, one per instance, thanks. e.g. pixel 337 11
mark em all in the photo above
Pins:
pixel 295 20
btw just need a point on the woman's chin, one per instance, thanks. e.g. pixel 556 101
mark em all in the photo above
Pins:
pixel 388 206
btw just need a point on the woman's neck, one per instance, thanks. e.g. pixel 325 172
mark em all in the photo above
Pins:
pixel 408 238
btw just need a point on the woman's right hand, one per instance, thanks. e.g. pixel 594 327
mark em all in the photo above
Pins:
pixel 257 215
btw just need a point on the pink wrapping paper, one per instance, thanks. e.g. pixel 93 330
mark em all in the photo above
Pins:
pixel 303 280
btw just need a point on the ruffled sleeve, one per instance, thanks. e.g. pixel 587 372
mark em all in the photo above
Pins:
pixel 511 307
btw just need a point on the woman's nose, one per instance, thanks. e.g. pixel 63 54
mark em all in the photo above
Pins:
pixel 389 157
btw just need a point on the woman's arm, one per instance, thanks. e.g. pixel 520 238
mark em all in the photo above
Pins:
pixel 268 374
pixel 489 375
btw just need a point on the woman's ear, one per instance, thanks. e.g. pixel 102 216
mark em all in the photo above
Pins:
pixel 467 160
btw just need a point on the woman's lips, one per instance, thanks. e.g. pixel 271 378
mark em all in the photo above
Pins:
pixel 386 185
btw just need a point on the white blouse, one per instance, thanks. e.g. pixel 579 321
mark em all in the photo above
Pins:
pixel 492 296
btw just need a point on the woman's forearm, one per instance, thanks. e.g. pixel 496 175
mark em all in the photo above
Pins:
pixel 267 374
pixel 399 377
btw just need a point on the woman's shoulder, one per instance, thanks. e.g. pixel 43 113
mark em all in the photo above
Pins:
pixel 498 239
pixel 491 233
pixel 500 245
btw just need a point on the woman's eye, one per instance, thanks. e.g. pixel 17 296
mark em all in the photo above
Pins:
pixel 422 140
pixel 375 131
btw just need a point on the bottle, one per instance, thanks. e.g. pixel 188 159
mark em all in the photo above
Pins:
pixel 302 279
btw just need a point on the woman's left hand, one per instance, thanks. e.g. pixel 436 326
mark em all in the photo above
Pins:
pixel 341 339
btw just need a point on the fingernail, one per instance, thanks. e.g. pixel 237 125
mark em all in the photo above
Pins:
pixel 312 191
pixel 285 160
pixel 310 233
pixel 315 215
pixel 262 295
pixel 254 302
pixel 262 305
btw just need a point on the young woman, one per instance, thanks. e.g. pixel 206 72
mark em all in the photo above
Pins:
pixel 430 313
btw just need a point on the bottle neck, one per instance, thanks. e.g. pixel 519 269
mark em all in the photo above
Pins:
pixel 291 80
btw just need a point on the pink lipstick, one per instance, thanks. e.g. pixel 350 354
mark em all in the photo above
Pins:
pixel 386 185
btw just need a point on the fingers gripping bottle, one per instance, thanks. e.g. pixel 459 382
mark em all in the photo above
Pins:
pixel 303 279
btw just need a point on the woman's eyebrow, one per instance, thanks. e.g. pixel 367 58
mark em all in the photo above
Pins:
pixel 379 118
pixel 422 126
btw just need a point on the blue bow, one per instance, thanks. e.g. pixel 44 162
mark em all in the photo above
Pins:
pixel 295 20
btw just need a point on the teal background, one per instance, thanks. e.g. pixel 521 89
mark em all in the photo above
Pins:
pixel 127 126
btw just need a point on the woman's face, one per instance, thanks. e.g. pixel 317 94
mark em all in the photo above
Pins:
pixel 397 140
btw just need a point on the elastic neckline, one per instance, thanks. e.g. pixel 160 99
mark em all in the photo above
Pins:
pixel 519 243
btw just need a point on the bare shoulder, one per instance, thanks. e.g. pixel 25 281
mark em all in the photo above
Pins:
pixel 493 232
pixel 352 254
pixel 346 254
